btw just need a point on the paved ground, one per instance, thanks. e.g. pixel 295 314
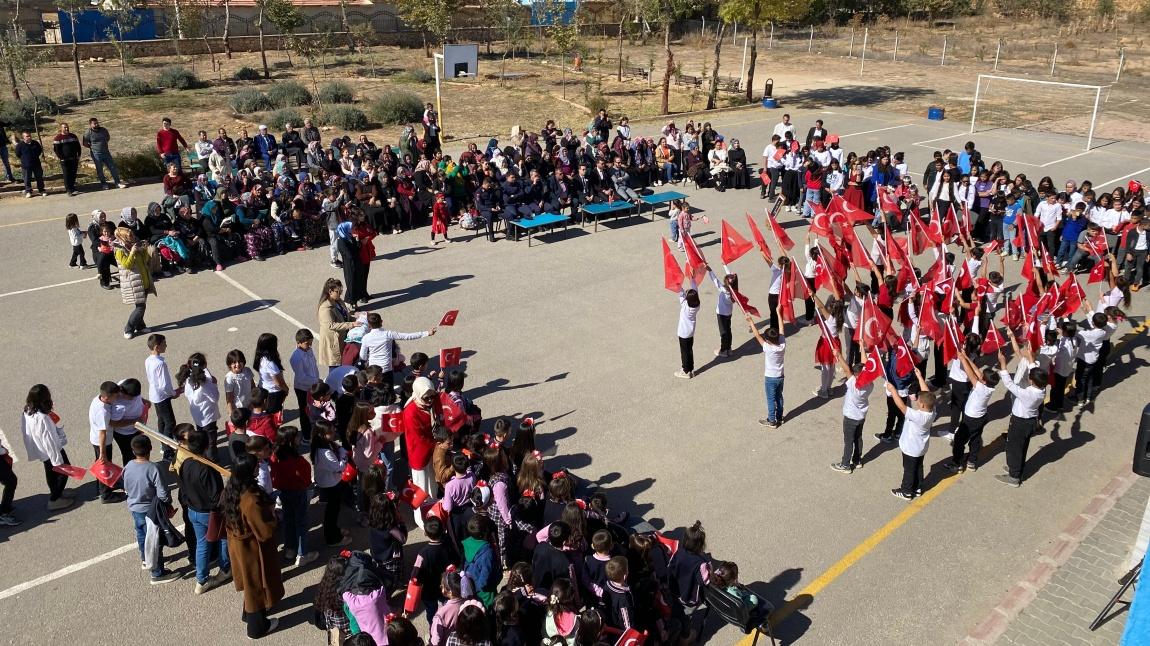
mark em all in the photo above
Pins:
pixel 1064 608
pixel 579 333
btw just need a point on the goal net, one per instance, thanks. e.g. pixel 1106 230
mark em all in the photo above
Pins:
pixel 1030 104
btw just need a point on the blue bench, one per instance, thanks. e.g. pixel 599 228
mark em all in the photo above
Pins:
pixel 666 197
pixel 541 220
pixel 606 208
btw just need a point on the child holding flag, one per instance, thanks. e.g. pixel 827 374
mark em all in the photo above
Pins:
pixel 774 349
pixel 915 438
pixel 856 402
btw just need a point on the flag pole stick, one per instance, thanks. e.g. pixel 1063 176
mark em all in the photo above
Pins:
pixel 172 444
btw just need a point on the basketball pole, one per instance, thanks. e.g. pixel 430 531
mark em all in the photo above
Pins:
pixel 974 110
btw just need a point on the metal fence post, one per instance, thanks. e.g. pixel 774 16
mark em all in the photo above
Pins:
pixel 851 51
pixel 1054 59
pixel 811 46
pixel 735 35
pixel 862 60
pixel 771 42
pixel 1121 61
pixel 997 53
pixel 943 62
pixel 894 54
pixel 703 29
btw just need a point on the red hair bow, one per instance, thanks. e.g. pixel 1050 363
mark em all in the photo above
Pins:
pixel 345 554
pixel 559 474
pixel 391 496
pixel 390 617
pixel 378 462
pixel 450 568
pixel 537 455
pixel 481 483
pixel 527 493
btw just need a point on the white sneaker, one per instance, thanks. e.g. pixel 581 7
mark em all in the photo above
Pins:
pixel 304 559
pixel 683 375
pixel 122 185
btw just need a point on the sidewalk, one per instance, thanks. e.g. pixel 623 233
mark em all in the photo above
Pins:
pixel 1055 603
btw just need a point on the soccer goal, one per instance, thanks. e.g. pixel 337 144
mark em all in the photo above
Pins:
pixel 1031 104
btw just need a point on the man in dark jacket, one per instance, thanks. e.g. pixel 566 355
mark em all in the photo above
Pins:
pixel 29 151
pixel 266 147
pixel 200 490
pixel 96 141
pixel 293 145
pixel 489 201
pixel 4 141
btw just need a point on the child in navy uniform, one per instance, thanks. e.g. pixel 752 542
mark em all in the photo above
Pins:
pixel 430 564
pixel 596 564
pixel 618 603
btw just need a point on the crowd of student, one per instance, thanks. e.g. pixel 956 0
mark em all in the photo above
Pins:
pixel 897 316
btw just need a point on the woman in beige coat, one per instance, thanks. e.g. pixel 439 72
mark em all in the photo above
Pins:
pixel 336 317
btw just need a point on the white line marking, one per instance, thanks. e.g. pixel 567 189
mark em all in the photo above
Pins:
pixel 284 315
pixel 1058 161
pixel 867 132
pixel 36 289
pixel 919 143
pixel 1119 179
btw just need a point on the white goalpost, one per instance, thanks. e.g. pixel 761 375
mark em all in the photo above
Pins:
pixel 1031 104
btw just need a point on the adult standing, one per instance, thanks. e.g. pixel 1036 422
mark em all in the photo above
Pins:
pixel 96 140
pixel 29 151
pixel 249 517
pixel 135 278
pixel 418 414
pixel 4 152
pixel 348 248
pixel 378 346
pixel 336 317
pixel 100 432
pixel 201 488
pixel 67 148
pixel 168 144
pixel 44 440
pixel 783 127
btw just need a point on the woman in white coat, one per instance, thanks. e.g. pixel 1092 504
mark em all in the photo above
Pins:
pixel 44 440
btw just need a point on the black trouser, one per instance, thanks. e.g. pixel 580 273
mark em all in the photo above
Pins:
pixel 189 536
pixel 939 377
pixel 724 332
pixel 1052 241
pixel 56 481
pixel 257 623
pixel 104 263
pixel 969 431
pixel 1058 392
pixel 70 167
pixel 124 443
pixel 894 418
pixel 136 319
pixel 9 480
pixel 852 441
pixel 104 452
pixel 809 309
pixel 212 430
pixel 687 353
pixel 275 402
pixel 773 305
pixel 166 419
pixel 774 174
pixel 304 420
pixel 333 501
pixel 853 354
pixel 959 393
pixel 1018 434
pixel 911 474
pixel 739 178
pixel 1085 386
pixel 37 172
pixel 78 254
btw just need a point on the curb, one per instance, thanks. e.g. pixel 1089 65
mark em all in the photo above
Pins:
pixel 1019 597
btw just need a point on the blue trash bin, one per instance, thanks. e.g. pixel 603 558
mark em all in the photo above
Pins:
pixel 935 113
pixel 770 103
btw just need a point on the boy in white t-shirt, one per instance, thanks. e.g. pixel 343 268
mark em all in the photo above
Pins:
pixel 856 403
pixel 774 350
pixel 915 437
pixel 688 313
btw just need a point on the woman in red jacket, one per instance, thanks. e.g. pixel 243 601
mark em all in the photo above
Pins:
pixel 417 421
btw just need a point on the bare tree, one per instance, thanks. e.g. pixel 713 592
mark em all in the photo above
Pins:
pixel 713 91
pixel 72 7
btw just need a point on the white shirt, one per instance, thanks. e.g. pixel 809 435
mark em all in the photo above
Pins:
pixel 375 347
pixel 1090 342
pixel 856 401
pixel 99 419
pixel 687 315
pixel 916 432
pixel 1064 353
pixel 127 409
pixel 239 386
pixel 836 154
pixel 203 402
pixel 335 378
pixel 159 380
pixel 781 129
pixel 956 372
pixel 823 157
pixel 776 281
pixel 1050 215
pixel 268 372
pixel 304 368
pixel 854 310
pixel 978 401
pixel 1109 218
pixel 773 354
pixel 769 153
pixel 1026 400
pixel 724 305
pixel 1111 298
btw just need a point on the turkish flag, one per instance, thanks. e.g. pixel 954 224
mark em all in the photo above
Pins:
pixel 435 510
pixel 106 472
pixel 780 236
pixel 696 264
pixel 859 256
pixel 632 637
pixel 928 323
pixel 1027 270
pixel 734 245
pixel 874 325
pixel 833 261
pixel 1072 297
pixel 71 471
pixel 872 369
pixel 887 202
pixel 411 598
pixel 449 357
pixel 992 246
pixel 454 416
pixel 820 221
pixel 787 295
pixel 1013 317
pixel 672 274
pixel 1099 272
pixel 949 342
pixel 668 543
pixel 852 213
pixel 934 228
pixel 964 278
pixel 993 340
pixel 759 239
pixel 744 303
pixel 800 288
pixel 413 495
pixel 1098 245
pixel 391 423
pixel 950 224
pixel 905 358
pixel 449 318
pixel 916 231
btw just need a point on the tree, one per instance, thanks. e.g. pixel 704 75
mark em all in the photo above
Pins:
pixel 21 60
pixel 757 15
pixel 713 90
pixel 124 19
pixel 669 11
pixel 194 26
pixel 73 7
pixel 227 31
pixel 362 34
pixel 285 16
pixel 346 26
pixel 429 17
pixel 563 33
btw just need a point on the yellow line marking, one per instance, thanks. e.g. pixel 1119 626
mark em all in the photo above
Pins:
pixel 17 224
pixel 805 596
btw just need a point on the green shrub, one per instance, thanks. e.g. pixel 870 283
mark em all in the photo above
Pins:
pixel 336 92
pixel 127 85
pixel 418 76
pixel 19 115
pixel 280 118
pixel 248 74
pixel 69 98
pixel 94 93
pixel 249 101
pixel 397 108
pixel 596 103
pixel 345 117
pixel 139 165
pixel 177 77
pixel 286 95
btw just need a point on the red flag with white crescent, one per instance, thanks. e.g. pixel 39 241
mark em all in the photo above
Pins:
pixel 734 245
pixel 632 637
pixel 852 213
pixel 905 358
pixel 993 341
pixel 787 295
pixel 696 264
pixel 1098 272
pixel 672 273
pixel 759 239
pixel 928 323
pixel 872 369
pixel 820 220
pixel 744 303
pixel 887 202
pixel 780 235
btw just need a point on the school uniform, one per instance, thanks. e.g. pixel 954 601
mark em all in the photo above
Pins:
pixel 100 419
pixel 959 391
pixel 1023 423
pixel 686 332
pixel 723 309
pixel 969 431
pixel 773 379
pixel 160 393
pixel 913 443
pixel 1065 352
pixel 619 606
pixel 856 402
pixel 306 372
pixel 1088 368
